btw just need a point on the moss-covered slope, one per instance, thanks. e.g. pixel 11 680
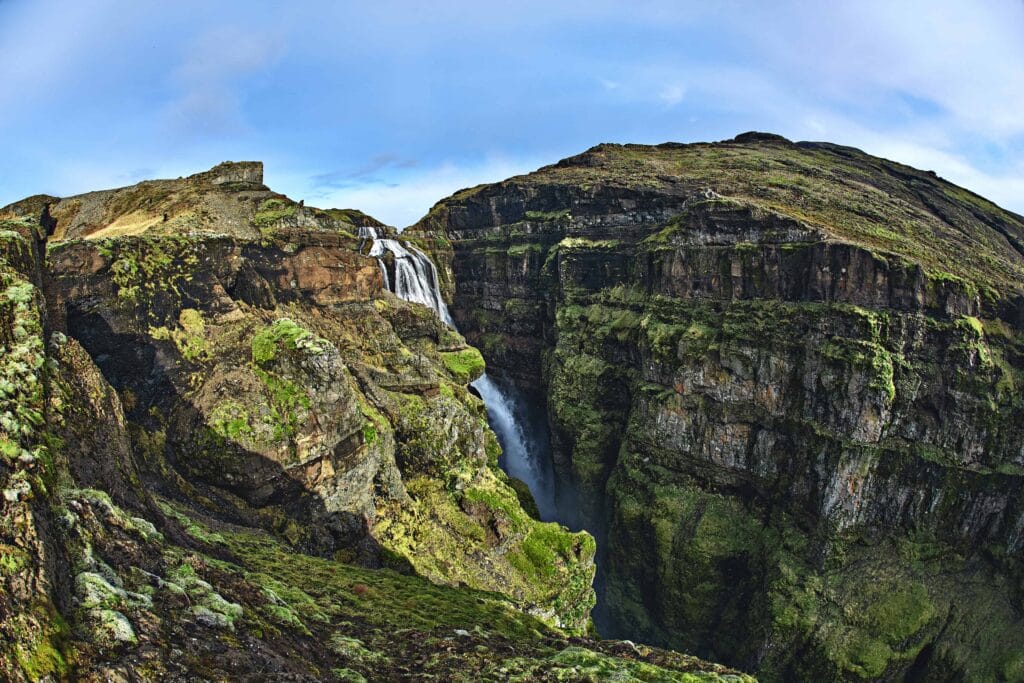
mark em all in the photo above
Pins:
pixel 226 453
pixel 829 191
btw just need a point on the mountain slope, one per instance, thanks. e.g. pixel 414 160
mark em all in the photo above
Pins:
pixel 228 453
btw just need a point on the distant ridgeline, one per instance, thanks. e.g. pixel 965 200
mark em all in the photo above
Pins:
pixel 776 386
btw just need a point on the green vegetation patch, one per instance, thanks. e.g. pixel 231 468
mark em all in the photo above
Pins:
pixel 520 250
pixel 549 216
pixel 288 404
pixel 283 333
pixel 872 356
pixel 465 365
pixel 272 210
pixel 151 273
pixel 231 420
pixel 22 370
pixel 584 243
pixel 189 337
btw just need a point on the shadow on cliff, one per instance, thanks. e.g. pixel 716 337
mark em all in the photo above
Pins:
pixel 159 417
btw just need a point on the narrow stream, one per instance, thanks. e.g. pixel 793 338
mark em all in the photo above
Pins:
pixel 524 458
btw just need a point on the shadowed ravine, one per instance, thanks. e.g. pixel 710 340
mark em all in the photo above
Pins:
pixel 526 453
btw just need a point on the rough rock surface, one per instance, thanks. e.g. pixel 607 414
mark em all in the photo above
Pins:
pixel 227 454
pixel 784 387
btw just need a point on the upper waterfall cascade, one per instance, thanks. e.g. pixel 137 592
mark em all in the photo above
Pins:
pixel 415 279
pixel 415 275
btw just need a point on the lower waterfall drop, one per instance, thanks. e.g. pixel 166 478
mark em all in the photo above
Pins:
pixel 522 457
pixel 416 280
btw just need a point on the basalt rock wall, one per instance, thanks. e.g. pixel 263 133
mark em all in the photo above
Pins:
pixel 783 386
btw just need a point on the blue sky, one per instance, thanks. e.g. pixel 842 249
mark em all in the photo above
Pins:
pixel 389 106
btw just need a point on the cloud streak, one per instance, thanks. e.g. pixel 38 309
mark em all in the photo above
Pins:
pixel 393 105
pixel 211 77
pixel 368 173
pixel 406 200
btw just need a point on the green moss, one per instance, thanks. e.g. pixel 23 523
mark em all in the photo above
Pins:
pixel 584 243
pixel 525 497
pixel 446 537
pixel 111 628
pixel 375 422
pixel 576 663
pixel 231 420
pixel 192 528
pixel 582 402
pixel 272 210
pixel 283 333
pixel 545 548
pixel 861 655
pixel 369 433
pixel 22 370
pixel 868 355
pixel 189 337
pixel 288 403
pixel 42 656
pixel 389 600
pixel 353 649
pixel 13 560
pixel 520 250
pixel 151 270
pixel 897 614
pixel 974 325
pixel 465 365
pixel 548 216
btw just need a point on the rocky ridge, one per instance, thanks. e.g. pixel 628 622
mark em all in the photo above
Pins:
pixel 227 452
pixel 783 388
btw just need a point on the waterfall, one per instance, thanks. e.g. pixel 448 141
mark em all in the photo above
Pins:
pixel 415 275
pixel 522 457
pixel 416 280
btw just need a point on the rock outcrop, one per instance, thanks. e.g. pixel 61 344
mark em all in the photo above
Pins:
pixel 227 452
pixel 783 387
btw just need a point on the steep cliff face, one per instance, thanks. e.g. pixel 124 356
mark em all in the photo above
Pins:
pixel 783 384
pixel 227 452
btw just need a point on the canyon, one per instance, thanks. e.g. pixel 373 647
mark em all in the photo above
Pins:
pixel 753 401
pixel 782 387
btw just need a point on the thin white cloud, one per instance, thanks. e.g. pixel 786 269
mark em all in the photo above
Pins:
pixel 209 101
pixel 43 48
pixel 672 94
pixel 405 200
pixel 966 58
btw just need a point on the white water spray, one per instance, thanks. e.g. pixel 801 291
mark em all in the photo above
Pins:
pixel 416 280
pixel 415 274
pixel 522 457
